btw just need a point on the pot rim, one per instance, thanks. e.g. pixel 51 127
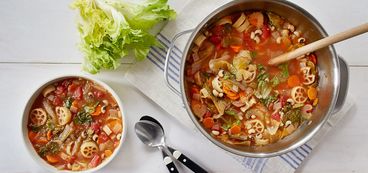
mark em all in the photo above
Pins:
pixel 308 136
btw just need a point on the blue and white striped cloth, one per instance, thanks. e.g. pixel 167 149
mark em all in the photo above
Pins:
pixel 150 73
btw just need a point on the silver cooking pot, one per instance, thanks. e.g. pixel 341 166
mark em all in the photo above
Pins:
pixel 333 73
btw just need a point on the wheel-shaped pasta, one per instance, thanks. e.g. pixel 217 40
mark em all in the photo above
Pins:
pixel 309 78
pixel 299 94
pixel 38 117
pixel 254 125
pixel 63 115
pixel 88 149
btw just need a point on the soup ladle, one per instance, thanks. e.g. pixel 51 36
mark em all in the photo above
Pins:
pixel 151 133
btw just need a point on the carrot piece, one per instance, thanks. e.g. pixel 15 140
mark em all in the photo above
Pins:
pixel 97 111
pixel 32 135
pixel 242 94
pixel 315 102
pixel 75 103
pixel 208 122
pixel 232 95
pixel 42 141
pixel 52 159
pixel 293 81
pixel 236 49
pixel 49 135
pixel 108 153
pixel 235 129
pixel 312 93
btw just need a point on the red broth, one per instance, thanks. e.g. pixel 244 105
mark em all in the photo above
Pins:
pixel 235 94
pixel 75 124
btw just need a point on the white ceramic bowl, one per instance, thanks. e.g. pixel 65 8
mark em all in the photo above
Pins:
pixel 28 106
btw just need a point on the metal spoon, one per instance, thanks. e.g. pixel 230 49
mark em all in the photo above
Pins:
pixel 152 135
pixel 177 154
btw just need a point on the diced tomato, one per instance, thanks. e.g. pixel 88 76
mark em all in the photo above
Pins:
pixel 194 89
pixel 216 39
pixel 218 30
pixel 98 94
pixel 276 116
pixel 102 138
pixel 66 83
pixel 72 159
pixel 216 126
pixel 60 90
pixel 72 87
pixel 208 114
pixel 266 32
pixel 57 101
pixel 283 100
pixel 248 42
pixel 96 160
pixel 78 93
pixel 313 58
pixel 96 127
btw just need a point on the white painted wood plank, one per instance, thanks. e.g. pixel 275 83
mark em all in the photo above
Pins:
pixel 19 81
pixel 45 31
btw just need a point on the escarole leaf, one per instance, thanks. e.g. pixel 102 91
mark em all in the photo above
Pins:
pixel 111 29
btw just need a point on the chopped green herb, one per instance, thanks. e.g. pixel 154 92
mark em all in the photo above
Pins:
pixel 51 147
pixel 68 102
pixel 225 126
pixel 293 115
pixel 284 70
pixel 253 54
pixel 231 112
pixel 268 100
pixel 83 117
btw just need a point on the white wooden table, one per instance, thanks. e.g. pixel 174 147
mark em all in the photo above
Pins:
pixel 38 40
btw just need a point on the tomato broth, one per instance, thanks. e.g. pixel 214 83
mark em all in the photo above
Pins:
pixel 75 124
pixel 236 95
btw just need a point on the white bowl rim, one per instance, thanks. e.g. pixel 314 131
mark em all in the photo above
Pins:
pixel 24 130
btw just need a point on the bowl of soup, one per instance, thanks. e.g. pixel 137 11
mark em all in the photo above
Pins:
pixel 240 102
pixel 73 123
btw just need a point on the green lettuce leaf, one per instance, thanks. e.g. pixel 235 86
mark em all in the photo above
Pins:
pixel 112 29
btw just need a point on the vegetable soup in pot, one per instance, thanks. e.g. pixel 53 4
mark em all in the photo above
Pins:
pixel 75 124
pixel 235 94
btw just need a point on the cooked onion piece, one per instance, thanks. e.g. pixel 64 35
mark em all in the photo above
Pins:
pixel 240 21
pixel 224 20
pixel 38 117
pixel 63 115
pixel 48 90
pixel 88 149
pixel 199 40
pixel 298 94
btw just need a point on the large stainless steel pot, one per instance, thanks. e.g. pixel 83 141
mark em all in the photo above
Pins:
pixel 333 73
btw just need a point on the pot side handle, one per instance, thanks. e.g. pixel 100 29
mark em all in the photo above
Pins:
pixel 167 60
pixel 344 85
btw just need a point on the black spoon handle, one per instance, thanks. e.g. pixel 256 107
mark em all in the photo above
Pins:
pixel 186 161
pixel 169 163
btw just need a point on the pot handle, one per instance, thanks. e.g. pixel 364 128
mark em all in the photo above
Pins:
pixel 167 60
pixel 344 85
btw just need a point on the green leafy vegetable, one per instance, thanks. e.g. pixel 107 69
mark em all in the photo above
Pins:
pixel 284 70
pixel 268 100
pixel 83 117
pixel 68 102
pixel 51 147
pixel 231 112
pixel 110 29
pixel 293 115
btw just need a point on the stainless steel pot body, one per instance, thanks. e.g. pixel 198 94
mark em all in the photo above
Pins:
pixel 332 89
